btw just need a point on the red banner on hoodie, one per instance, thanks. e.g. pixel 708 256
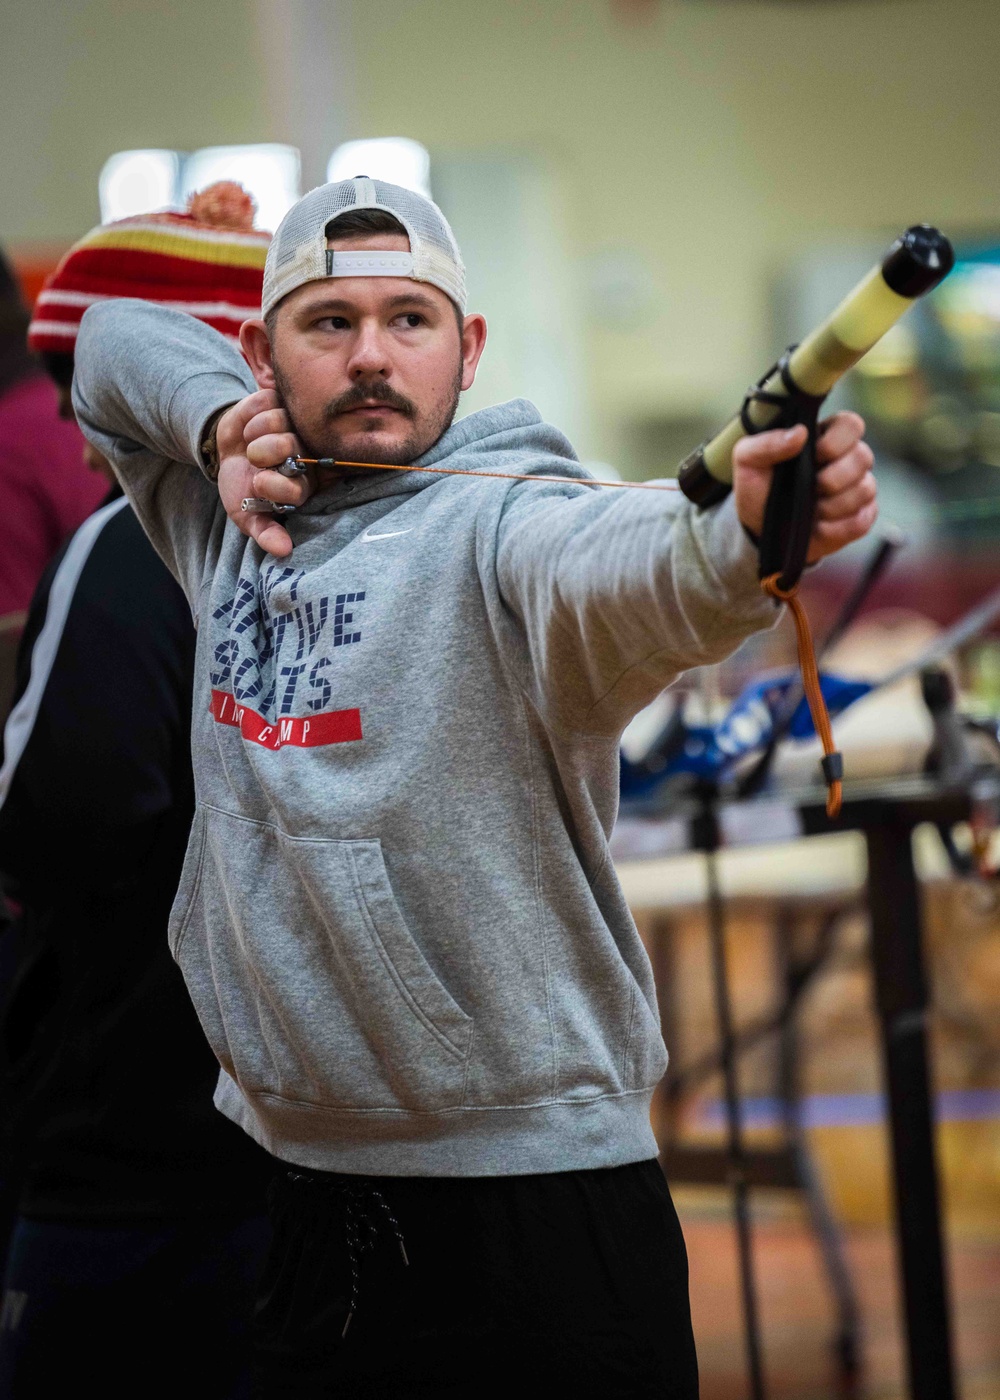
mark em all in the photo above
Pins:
pixel 334 727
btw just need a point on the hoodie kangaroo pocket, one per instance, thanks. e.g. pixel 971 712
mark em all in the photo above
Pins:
pixel 307 980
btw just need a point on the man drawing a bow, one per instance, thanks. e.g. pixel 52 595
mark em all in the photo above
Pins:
pixel 398 919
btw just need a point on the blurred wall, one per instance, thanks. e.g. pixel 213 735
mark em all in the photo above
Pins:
pixel 81 79
pixel 709 144
pixel 692 154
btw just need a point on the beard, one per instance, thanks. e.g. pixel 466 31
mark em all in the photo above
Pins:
pixel 325 434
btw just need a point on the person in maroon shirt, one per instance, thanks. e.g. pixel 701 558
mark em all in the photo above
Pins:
pixel 46 487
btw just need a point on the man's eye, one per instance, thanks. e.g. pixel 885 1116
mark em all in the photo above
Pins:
pixel 333 323
pixel 412 319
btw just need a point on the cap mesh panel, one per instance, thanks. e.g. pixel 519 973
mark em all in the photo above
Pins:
pixel 419 213
pixel 432 242
pixel 314 211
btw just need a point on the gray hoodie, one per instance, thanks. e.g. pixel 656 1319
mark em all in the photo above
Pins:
pixel 398 919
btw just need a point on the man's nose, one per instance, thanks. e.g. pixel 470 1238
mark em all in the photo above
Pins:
pixel 369 355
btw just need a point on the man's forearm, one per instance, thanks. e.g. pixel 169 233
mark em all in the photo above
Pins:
pixel 617 599
pixel 152 377
pixel 149 382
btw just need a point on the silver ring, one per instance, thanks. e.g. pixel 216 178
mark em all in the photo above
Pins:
pixel 291 466
pixel 259 506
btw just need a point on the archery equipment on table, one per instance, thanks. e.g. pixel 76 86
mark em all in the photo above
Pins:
pixel 710 752
pixel 791 393
pixel 761 716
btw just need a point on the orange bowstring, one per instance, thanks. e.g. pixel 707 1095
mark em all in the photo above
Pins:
pixel 501 476
pixel 810 682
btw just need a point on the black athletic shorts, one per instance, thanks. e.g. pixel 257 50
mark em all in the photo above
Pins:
pixel 573 1283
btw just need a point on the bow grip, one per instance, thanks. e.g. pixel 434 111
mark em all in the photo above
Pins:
pixel 788 517
pixel 791 501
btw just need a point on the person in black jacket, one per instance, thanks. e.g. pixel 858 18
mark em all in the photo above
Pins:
pixel 141 1228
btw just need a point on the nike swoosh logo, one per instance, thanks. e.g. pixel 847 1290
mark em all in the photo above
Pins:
pixel 388 535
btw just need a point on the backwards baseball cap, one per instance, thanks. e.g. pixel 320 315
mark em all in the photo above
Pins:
pixel 207 261
pixel 299 252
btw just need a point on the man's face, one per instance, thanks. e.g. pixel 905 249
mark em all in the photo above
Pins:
pixel 369 368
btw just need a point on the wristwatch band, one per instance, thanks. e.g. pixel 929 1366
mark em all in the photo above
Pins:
pixel 209 447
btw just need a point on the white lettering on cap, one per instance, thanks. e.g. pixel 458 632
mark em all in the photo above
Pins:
pixel 368 262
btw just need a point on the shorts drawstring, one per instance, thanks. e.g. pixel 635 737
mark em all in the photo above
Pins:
pixel 365 1210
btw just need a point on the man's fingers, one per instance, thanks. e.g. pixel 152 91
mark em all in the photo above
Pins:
pixel 255 436
pixel 846 506
pixel 262 401
pixel 266 531
pixel 761 451
pixel 271 420
pixel 830 535
pixel 846 471
pixel 848 502
pixel 284 490
pixel 274 538
pixel 271 450
pixel 229 429
pixel 841 433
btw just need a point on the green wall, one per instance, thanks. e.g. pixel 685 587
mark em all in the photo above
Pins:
pixel 81 79
pixel 719 141
pixel 711 145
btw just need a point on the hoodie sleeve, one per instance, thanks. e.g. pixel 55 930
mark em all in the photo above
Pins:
pixel 617 593
pixel 147 381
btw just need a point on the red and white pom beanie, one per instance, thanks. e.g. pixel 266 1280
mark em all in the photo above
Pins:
pixel 208 262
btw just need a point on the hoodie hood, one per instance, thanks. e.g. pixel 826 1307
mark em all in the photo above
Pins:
pixel 514 426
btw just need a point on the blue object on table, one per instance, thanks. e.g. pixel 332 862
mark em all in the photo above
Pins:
pixel 707 751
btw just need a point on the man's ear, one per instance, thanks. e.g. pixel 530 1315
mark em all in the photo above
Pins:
pixel 473 345
pixel 256 346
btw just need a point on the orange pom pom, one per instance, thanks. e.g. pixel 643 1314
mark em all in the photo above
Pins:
pixel 223 205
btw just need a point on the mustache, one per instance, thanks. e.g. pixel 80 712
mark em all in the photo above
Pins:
pixel 378 391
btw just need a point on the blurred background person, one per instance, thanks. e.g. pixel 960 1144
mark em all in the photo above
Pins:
pixel 47 488
pixel 140 1215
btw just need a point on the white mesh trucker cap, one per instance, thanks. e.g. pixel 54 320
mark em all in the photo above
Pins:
pixel 298 251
